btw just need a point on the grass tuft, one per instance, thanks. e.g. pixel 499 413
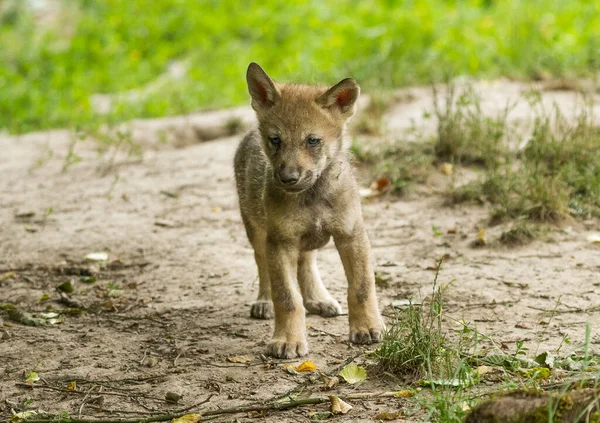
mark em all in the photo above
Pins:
pixel 414 344
pixel 464 134
pixel 556 174
pixel 520 234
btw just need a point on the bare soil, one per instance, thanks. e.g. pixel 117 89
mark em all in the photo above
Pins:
pixel 173 301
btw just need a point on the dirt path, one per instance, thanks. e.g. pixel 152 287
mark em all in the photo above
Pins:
pixel 173 303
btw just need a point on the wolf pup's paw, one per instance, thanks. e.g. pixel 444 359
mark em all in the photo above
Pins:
pixel 326 308
pixel 262 310
pixel 287 349
pixel 364 335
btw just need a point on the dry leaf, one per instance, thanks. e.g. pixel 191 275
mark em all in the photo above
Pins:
pixel 480 241
pixel 290 368
pixel 381 184
pixel 173 397
pixel 71 386
pixel 482 370
pixel 481 236
pixel 241 359
pixel 188 418
pixel 338 406
pixel 151 361
pixel 388 415
pixel 403 394
pixel 330 382
pixel 22 416
pixel 447 168
pixel 320 415
pixel 6 276
pixel 307 366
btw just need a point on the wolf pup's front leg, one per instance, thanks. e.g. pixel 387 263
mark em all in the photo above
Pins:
pixel 365 321
pixel 289 336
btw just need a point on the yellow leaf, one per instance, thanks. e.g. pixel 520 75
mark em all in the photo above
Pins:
pixel 240 359
pixel 188 418
pixel 307 366
pixel 481 236
pixel 403 394
pixel 71 386
pixel 447 169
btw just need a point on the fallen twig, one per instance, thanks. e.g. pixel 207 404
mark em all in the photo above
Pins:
pixel 107 381
pixel 67 391
pixel 87 394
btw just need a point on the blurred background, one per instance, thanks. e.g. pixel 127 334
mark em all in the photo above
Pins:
pixel 71 63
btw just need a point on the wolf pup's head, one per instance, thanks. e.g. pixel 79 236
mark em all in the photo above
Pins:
pixel 301 126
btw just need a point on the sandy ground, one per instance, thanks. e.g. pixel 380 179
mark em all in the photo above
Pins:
pixel 173 302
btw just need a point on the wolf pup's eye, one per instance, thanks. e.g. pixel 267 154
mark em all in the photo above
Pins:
pixel 312 141
pixel 275 140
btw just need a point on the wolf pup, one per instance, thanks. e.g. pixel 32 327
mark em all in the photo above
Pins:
pixel 296 190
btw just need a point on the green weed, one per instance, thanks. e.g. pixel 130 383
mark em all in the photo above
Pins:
pixel 465 135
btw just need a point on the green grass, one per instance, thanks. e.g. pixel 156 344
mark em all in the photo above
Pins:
pixel 49 72
pixel 459 370
pixel 555 175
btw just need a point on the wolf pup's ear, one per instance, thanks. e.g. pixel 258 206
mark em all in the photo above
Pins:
pixel 341 98
pixel 262 89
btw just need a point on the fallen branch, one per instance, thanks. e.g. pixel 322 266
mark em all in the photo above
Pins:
pixel 274 406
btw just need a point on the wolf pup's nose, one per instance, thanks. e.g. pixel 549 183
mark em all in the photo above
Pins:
pixel 289 176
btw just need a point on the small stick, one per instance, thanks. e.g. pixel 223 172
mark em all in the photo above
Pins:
pixel 84 398
pixel 144 357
